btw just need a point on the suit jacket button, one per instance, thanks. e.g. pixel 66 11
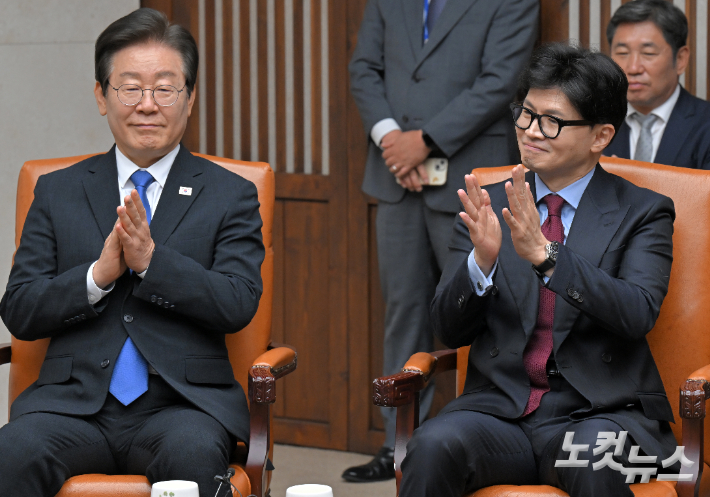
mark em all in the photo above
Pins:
pixel 128 318
pixel 494 351
pixel 580 299
pixel 82 316
pixel 160 301
pixel 405 119
pixel 570 292
pixel 105 363
pixel 461 301
pixel 172 307
pixel 166 304
pixel 66 321
pixel 153 298
pixel 494 290
pixel 606 358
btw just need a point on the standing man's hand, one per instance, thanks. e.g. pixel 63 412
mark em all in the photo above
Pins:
pixel 482 223
pixel 133 231
pixel 404 151
pixel 111 264
pixel 524 219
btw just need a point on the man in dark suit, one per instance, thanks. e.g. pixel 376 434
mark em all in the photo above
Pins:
pixel 431 79
pixel 664 123
pixel 136 264
pixel 554 279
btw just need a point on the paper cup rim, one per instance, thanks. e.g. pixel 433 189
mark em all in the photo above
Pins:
pixel 312 489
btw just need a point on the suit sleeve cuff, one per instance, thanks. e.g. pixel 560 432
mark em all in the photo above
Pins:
pixel 481 283
pixel 94 293
pixel 383 127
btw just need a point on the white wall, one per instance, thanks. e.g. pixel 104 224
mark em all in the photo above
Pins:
pixel 47 106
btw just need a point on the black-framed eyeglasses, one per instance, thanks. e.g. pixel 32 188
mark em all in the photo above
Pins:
pixel 550 126
pixel 163 95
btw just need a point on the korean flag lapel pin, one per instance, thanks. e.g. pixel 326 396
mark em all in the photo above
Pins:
pixel 185 190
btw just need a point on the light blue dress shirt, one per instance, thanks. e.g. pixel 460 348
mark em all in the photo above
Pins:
pixel 572 194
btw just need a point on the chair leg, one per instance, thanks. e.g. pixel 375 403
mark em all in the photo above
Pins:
pixel 407 422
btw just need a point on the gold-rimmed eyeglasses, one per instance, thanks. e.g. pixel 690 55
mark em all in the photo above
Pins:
pixel 163 95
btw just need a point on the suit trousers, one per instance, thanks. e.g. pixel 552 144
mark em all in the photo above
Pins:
pixel 159 435
pixel 412 245
pixel 462 451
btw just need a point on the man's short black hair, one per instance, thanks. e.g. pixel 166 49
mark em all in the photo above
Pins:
pixel 666 16
pixel 594 84
pixel 144 26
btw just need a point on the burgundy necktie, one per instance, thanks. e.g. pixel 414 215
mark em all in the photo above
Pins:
pixel 539 348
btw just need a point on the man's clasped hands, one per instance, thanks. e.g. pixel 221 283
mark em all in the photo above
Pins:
pixel 129 245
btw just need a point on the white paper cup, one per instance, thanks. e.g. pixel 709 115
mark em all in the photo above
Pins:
pixel 309 490
pixel 174 488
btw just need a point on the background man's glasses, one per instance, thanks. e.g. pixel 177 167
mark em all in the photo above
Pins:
pixel 163 95
pixel 550 126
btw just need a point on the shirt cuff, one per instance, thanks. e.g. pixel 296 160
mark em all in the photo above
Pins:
pixel 142 275
pixel 94 293
pixel 383 127
pixel 481 283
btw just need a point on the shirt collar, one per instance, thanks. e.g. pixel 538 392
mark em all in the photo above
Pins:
pixel 663 111
pixel 572 194
pixel 159 170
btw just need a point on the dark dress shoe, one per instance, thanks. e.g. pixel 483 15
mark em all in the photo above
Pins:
pixel 381 468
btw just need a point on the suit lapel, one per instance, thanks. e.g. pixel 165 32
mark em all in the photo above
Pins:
pixel 596 221
pixel 101 187
pixel 521 279
pixel 453 11
pixel 676 130
pixel 186 171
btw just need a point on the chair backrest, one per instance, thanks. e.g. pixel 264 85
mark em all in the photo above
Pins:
pixel 244 347
pixel 680 341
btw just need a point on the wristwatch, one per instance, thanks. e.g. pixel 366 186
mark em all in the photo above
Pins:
pixel 551 250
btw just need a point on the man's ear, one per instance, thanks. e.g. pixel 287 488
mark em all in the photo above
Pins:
pixel 191 101
pixel 100 98
pixel 602 138
pixel 682 58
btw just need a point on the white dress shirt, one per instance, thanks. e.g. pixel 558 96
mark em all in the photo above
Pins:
pixel 126 168
pixel 572 194
pixel 663 112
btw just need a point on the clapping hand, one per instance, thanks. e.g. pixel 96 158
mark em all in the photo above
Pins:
pixel 482 223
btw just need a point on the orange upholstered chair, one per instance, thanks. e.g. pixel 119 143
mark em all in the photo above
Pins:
pixel 680 341
pixel 256 362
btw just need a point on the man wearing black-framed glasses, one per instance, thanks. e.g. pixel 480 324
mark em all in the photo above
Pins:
pixel 554 279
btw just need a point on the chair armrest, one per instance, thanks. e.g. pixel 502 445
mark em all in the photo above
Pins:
pixel 399 389
pixel 694 392
pixel 5 353
pixel 280 360
pixel 265 370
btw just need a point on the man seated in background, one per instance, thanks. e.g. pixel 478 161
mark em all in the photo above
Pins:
pixel 135 264
pixel 664 123
pixel 554 279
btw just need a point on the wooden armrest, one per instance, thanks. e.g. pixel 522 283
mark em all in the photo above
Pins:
pixel 280 360
pixel 399 389
pixel 5 353
pixel 694 392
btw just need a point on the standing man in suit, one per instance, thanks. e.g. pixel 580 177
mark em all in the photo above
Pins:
pixel 554 279
pixel 136 264
pixel 431 78
pixel 664 123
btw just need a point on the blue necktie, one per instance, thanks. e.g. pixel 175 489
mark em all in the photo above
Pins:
pixel 130 376
pixel 435 8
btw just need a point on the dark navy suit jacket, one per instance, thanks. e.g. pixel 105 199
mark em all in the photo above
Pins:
pixel 203 281
pixel 685 141
pixel 610 279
